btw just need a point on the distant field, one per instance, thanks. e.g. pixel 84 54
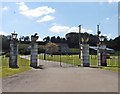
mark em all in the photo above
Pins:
pixel 112 63
pixel 6 71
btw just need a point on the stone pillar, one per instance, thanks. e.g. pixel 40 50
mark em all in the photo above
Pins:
pixel 85 55
pixel 34 55
pixel 103 60
pixel 34 51
pixel 13 54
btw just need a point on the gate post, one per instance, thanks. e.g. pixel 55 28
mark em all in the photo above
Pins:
pixel 85 55
pixel 102 52
pixel 34 51
pixel 103 55
pixel 85 51
pixel 13 51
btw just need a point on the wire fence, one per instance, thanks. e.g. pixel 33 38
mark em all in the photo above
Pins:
pixel 73 59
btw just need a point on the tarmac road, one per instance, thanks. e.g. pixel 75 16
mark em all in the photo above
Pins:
pixel 62 79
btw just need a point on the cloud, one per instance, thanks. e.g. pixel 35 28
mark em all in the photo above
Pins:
pixel 59 29
pixel 22 6
pixel 76 29
pixel 40 39
pixel 107 18
pixel 108 36
pixel 46 18
pixel 4 8
pixel 36 12
pixel 3 33
pixel 73 29
pixel 67 29
pixel 111 1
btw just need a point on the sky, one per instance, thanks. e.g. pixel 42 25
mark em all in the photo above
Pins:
pixel 59 18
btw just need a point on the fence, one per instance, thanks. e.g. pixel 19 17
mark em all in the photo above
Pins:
pixel 72 59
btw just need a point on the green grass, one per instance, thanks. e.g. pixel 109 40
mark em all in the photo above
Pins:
pixel 112 63
pixel 70 59
pixel 23 64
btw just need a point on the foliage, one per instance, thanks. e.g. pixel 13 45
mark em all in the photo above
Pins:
pixel 46 39
pixel 41 50
pixel 24 38
pixel 24 52
pixel 73 39
pixel 54 39
pixel 5 43
pixel 51 48
pixel 115 43
pixel 23 49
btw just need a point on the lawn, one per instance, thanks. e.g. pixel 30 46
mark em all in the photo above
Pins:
pixel 71 59
pixel 23 64
pixel 112 63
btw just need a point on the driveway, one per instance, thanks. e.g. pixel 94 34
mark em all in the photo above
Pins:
pixel 54 78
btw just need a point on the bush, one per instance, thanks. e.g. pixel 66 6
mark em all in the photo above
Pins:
pixel 24 52
pixel 7 55
pixel 41 50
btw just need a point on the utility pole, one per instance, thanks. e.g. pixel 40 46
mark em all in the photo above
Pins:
pixel 98 30
pixel 79 41
pixel 98 45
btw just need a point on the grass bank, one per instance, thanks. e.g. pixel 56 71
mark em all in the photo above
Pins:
pixel 6 71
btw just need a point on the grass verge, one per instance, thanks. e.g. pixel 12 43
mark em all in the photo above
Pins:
pixel 23 64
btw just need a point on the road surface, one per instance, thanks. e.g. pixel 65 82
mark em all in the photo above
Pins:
pixel 54 78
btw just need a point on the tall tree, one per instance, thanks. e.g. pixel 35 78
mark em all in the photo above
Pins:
pixel 26 38
pixel 5 43
pixel 46 39
pixel 53 39
pixel 58 39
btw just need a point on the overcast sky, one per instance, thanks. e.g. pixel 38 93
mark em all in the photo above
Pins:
pixel 59 18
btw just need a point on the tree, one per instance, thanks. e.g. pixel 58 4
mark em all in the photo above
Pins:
pixel 114 43
pixel 22 38
pixel 53 39
pixel 72 40
pixel 9 37
pixel 58 39
pixel 51 48
pixel 46 39
pixel 63 40
pixel 26 38
pixel 5 43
